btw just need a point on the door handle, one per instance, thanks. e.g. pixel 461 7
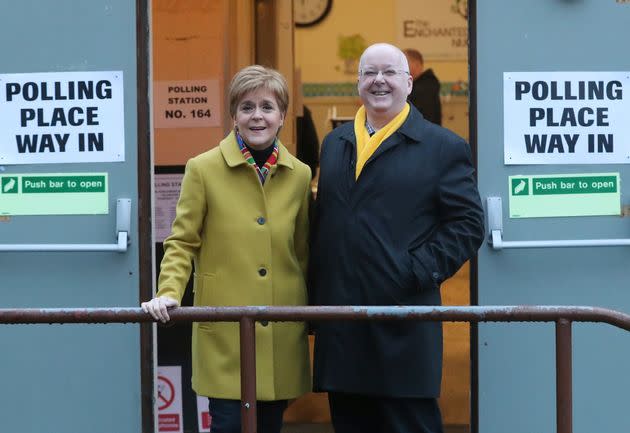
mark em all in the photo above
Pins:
pixel 495 227
pixel 123 226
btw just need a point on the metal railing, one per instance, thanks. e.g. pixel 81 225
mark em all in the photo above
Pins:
pixel 247 317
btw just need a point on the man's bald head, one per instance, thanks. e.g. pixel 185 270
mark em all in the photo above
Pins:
pixel 384 48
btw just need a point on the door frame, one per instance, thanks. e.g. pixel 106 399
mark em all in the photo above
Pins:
pixel 145 232
pixel 474 280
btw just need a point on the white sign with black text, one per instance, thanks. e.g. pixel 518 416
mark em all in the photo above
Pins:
pixel 61 117
pixel 566 117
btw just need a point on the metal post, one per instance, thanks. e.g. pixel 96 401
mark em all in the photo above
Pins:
pixel 248 375
pixel 564 377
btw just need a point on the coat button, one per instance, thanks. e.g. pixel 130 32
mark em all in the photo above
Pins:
pixel 262 272
pixel 260 220
pixel 435 276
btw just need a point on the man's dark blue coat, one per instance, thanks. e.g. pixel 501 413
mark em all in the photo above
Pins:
pixel 390 238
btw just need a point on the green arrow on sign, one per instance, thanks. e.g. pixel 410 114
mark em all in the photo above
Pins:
pixel 520 186
pixel 9 185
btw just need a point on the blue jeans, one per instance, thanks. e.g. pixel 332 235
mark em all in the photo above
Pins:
pixel 226 415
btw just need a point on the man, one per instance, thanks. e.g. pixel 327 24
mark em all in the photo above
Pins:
pixel 307 143
pixel 397 213
pixel 425 95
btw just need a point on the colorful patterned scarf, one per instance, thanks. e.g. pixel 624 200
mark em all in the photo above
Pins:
pixel 271 161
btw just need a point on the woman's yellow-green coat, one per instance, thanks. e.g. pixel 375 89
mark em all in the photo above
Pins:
pixel 249 246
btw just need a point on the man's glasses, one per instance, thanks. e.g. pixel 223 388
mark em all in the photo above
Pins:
pixel 369 74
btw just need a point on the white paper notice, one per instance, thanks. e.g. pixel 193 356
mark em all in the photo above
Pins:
pixel 167 187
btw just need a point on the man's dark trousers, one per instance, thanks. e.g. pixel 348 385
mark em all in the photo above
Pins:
pixel 352 413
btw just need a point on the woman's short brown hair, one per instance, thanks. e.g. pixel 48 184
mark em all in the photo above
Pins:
pixel 252 78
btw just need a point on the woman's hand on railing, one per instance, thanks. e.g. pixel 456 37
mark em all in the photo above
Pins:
pixel 158 307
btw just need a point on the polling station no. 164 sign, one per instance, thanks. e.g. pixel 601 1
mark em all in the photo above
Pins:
pixel 62 117
pixel 566 117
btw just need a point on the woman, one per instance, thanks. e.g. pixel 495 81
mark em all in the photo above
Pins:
pixel 242 217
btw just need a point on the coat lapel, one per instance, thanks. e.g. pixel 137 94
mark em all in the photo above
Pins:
pixel 412 130
pixel 234 158
pixel 412 127
pixel 350 148
pixel 230 151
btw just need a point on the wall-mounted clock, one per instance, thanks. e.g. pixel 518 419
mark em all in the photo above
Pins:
pixel 310 12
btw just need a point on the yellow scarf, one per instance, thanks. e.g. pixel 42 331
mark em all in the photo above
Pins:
pixel 366 145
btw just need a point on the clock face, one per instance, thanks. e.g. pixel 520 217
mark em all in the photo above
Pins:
pixel 310 12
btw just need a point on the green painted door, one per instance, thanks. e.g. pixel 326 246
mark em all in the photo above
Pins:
pixel 69 162
pixel 552 102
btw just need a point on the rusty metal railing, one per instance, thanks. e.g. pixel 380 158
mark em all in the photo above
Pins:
pixel 248 316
